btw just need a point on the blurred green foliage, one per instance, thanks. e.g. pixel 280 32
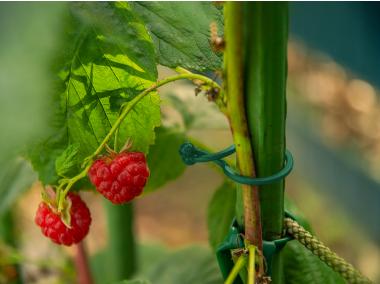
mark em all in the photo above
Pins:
pixel 29 36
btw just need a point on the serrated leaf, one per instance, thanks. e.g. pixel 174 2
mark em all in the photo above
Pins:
pixel 108 61
pixel 164 160
pixel 301 266
pixel 67 160
pixel 221 212
pixel 181 32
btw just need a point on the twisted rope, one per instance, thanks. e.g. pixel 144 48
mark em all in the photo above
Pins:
pixel 338 264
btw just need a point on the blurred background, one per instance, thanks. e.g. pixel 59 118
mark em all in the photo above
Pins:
pixel 333 129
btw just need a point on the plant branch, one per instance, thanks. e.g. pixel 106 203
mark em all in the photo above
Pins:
pixel 125 110
pixel 238 120
pixel 251 264
pixel 239 265
pixel 82 265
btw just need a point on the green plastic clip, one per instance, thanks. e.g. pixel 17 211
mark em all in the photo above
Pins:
pixel 192 155
pixel 234 240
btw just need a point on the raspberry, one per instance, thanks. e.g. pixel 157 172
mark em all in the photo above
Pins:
pixel 122 178
pixel 53 227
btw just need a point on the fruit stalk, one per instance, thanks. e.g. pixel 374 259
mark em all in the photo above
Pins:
pixel 68 183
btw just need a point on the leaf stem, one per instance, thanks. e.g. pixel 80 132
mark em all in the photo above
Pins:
pixel 125 110
pixel 251 264
pixel 239 265
pixel 115 142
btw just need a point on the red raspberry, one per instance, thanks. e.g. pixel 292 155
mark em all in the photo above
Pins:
pixel 122 178
pixel 53 227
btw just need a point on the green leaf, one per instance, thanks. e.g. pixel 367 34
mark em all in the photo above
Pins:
pixel 291 207
pixel 183 108
pixel 15 178
pixel 196 112
pixel 158 264
pixel 164 162
pixel 108 61
pixel 29 35
pixel 135 281
pixel 186 266
pixel 67 160
pixel 301 266
pixel 221 211
pixel 181 32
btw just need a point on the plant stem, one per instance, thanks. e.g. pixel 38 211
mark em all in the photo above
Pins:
pixel 115 143
pixel 239 265
pixel 9 237
pixel 265 87
pixel 121 251
pixel 251 264
pixel 128 107
pixel 82 266
pixel 237 117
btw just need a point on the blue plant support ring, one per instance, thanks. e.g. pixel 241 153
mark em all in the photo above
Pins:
pixel 192 155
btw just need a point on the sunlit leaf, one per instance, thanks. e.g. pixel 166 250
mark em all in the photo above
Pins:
pixel 108 61
pixel 181 32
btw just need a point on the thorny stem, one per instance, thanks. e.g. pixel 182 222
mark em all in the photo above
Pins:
pixel 124 112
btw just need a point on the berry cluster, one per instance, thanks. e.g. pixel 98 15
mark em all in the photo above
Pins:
pixel 118 177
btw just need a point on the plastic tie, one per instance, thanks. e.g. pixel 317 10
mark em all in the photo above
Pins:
pixel 235 240
pixel 192 155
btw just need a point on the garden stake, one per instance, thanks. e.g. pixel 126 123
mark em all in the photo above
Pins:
pixel 265 58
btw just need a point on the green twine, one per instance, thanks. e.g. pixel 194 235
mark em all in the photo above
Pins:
pixel 338 264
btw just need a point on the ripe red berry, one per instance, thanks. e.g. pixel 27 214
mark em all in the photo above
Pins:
pixel 122 178
pixel 53 227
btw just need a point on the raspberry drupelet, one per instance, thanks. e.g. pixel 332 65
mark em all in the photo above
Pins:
pixel 53 227
pixel 121 178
